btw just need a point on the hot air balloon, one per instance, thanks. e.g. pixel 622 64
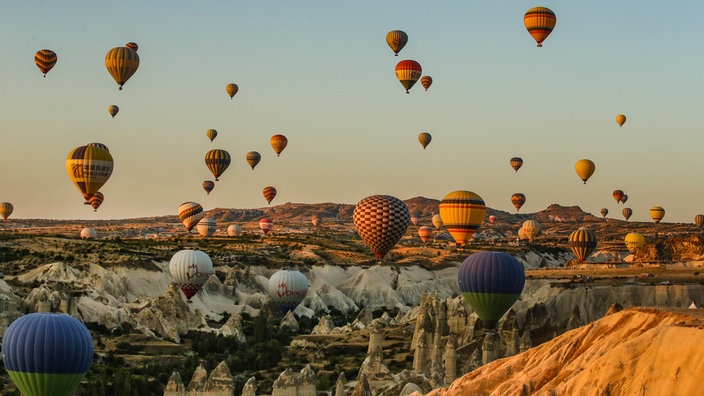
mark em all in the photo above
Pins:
pixel 121 63
pixel 582 242
pixel 522 234
pixel 269 194
pixel 634 241
pixel 316 221
pixel 424 138
pixel 113 110
pixel 620 120
pixel 381 221
pixel 6 209
pixel 253 158
pixel 492 218
pixel 207 227
pixel 624 198
pixel 657 213
pixel 89 167
pixel 234 230
pixel 45 60
pixel 698 219
pixel 47 353
pixel 425 233
pixel 278 142
pixel 266 225
pixel 518 200
pixel 490 283
pixel 89 233
pixel 584 168
pixel 190 269
pixel 531 228
pixel 626 212
pixel 396 39
pixel 426 82
pixel 408 72
pixel 415 218
pixel 516 163
pixel 604 212
pixel 96 200
pixel 132 45
pixel 437 221
pixel 287 289
pixel 231 89
pixel 208 186
pixel 211 134
pixel 96 144
pixel 539 21
pixel 190 213
pixel 462 212
pixel 217 161
pixel 618 194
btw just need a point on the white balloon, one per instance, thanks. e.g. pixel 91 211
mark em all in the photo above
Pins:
pixel 190 270
pixel 287 289
pixel 207 226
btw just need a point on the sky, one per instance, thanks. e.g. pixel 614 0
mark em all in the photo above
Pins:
pixel 321 73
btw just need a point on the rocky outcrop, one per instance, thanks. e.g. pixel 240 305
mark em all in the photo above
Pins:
pixel 233 328
pixel 340 385
pixel 362 388
pixel 289 322
pixel 175 386
pixel 250 387
pixel 169 316
pixel 291 383
pixel 325 325
pixel 220 382
pixel 198 381
pixel 373 367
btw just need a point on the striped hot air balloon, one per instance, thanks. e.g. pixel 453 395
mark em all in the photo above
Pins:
pixel 604 212
pixel 266 225
pixel 627 212
pixel 287 289
pixel 437 221
pixel 278 143
pixel 89 167
pixel 618 194
pixel 121 63
pixel 190 269
pixel 408 72
pixel 217 161
pixel 424 138
pixel 113 110
pixel 89 233
pixel 585 169
pixel 582 242
pixel 207 227
pixel 381 221
pixel 47 353
pixel 234 230
pixel 516 163
pixel 211 134
pixel 426 82
pixel 698 219
pixel 634 241
pixel 208 186
pixel 269 194
pixel 96 144
pixel 45 59
pixel 490 283
pixel 518 199
pixel 396 39
pixel 96 200
pixel 6 209
pixel 253 158
pixel 231 89
pixel 540 21
pixel 657 213
pixel 531 228
pixel 425 233
pixel 620 120
pixel 132 45
pixel 190 213
pixel 462 213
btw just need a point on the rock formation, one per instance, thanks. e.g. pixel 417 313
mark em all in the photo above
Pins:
pixel 340 385
pixel 362 388
pixel 291 383
pixel 220 382
pixel 289 322
pixel 175 386
pixel 198 381
pixel 233 328
pixel 250 387
pixel 325 325
pixel 450 360
pixel 373 367
pixel 376 336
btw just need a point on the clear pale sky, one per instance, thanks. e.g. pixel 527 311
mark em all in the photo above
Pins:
pixel 321 73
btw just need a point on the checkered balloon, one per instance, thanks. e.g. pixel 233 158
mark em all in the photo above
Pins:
pixel 381 221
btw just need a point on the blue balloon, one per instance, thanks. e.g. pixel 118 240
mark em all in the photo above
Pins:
pixel 491 282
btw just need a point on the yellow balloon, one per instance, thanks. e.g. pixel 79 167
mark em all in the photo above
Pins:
pixel 585 169
pixel 634 241
pixel 657 213
pixel 462 212
pixel 89 167
pixel 121 63
pixel 620 119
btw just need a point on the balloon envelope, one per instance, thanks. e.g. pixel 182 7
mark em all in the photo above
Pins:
pixel 266 225
pixel 89 167
pixel 208 186
pixel 604 212
pixel 518 199
pixel 462 213
pixel 396 39
pixel 698 219
pixel 113 110
pixel 627 212
pixel 190 270
pixel 253 158
pixel 45 59
pixel 585 169
pixel 531 228
pixel 426 82
pixel 618 194
pixel 316 221
pixel 234 230
pixel 516 163
pixel 278 143
pixel 190 213
pixel 408 72
pixel 89 233
pixel 657 213
pixel 47 353
pixel 287 289
pixel 211 134
pixel 6 209
pixel 122 63
pixel 491 282
pixel 381 221
pixel 437 221
pixel 634 241
pixel 269 194
pixel 540 22
pixel 425 233
pixel 217 161
pixel 231 89
pixel 96 200
pixel 620 119
pixel 582 242
pixel 492 218
pixel 207 227
pixel 424 138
